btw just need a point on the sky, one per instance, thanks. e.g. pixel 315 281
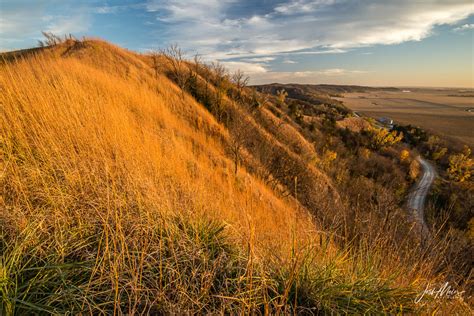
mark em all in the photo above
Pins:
pixel 366 42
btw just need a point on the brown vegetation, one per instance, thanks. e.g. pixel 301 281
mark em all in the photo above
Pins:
pixel 151 184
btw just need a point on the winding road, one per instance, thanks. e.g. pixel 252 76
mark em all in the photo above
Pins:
pixel 417 196
pixel 416 199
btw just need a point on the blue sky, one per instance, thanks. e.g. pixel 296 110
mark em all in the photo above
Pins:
pixel 367 42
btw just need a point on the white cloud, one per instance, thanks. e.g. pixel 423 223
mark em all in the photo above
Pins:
pixel 220 31
pixel 112 9
pixel 61 25
pixel 302 6
pixel 206 27
pixel 22 20
pixel 248 68
pixel 106 10
pixel 188 10
pixel 465 27
pixel 334 75
pixel 318 52
pixel 264 59
pixel 336 72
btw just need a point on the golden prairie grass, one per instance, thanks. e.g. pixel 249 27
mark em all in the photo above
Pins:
pixel 80 128
pixel 85 149
pixel 118 197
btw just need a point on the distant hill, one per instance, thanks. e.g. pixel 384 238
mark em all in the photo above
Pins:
pixel 325 89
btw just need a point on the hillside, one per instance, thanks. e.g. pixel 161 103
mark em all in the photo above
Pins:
pixel 320 89
pixel 125 189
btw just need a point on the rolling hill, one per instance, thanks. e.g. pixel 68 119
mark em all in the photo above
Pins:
pixel 125 189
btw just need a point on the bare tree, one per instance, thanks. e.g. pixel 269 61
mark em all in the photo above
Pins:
pixel 192 80
pixel 240 80
pixel 236 145
pixel 259 99
pixel 264 99
pixel 281 94
pixel 175 56
pixel 197 63
pixel 237 142
pixel 220 73
pixel 195 70
pixel 220 81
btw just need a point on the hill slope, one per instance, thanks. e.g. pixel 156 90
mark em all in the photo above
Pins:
pixel 123 193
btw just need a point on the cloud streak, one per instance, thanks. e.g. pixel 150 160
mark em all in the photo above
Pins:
pixel 332 75
pixel 465 27
pixel 221 30
pixel 261 37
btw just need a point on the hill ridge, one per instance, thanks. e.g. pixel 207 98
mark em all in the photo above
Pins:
pixel 125 189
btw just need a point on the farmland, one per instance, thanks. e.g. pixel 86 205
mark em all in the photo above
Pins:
pixel 442 111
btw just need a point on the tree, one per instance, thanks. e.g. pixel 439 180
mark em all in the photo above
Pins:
pixel 198 64
pixel 199 81
pixel 414 170
pixel 382 137
pixel 175 57
pixel 461 165
pixel 221 81
pixel 263 99
pixel 239 136
pixel 240 80
pixel 281 94
pixel 439 154
pixel 328 157
pixel 220 73
pixel 193 80
pixel 404 155
pixel 236 144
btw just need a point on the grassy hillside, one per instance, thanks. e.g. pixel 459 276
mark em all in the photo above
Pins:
pixel 124 192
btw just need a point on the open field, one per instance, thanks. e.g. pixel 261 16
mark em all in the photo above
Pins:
pixel 444 111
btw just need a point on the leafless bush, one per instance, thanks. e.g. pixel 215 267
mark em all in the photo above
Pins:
pixel 175 57
pixel 240 80
pixel 53 39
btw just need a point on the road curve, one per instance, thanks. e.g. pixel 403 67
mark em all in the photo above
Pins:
pixel 417 196
pixel 416 199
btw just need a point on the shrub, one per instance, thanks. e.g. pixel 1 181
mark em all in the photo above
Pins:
pixel 381 137
pixel 439 154
pixel 461 165
pixel 404 155
pixel 414 169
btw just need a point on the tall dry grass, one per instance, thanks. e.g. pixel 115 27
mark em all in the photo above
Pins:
pixel 88 155
pixel 114 201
